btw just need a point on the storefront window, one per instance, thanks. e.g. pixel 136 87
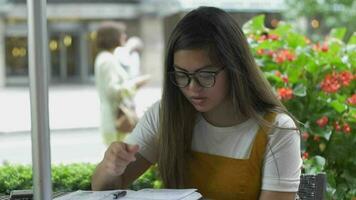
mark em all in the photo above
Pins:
pixel 54 52
pixel 16 56
pixel 70 42
pixel 64 55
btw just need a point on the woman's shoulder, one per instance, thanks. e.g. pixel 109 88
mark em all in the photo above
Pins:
pixel 104 54
pixel 284 128
pixel 103 57
pixel 152 113
pixel 149 122
pixel 155 107
pixel 284 120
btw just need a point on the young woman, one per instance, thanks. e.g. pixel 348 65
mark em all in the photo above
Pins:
pixel 218 127
pixel 111 79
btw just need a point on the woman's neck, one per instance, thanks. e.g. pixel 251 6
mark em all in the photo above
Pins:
pixel 224 115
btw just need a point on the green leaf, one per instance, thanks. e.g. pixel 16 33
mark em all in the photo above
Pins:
pixel 269 45
pixel 352 39
pixel 255 25
pixel 352 114
pixel 311 67
pixel 272 77
pixel 314 165
pixel 320 161
pixel 339 107
pixel 294 40
pixel 335 47
pixel 326 134
pixel 341 97
pixel 300 90
pixel 351 54
pixel 282 29
pixel 338 33
pixel 293 73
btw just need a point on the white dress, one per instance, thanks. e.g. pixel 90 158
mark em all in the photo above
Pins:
pixel 113 86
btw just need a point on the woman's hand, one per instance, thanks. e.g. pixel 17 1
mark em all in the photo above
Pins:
pixel 142 80
pixel 119 168
pixel 117 157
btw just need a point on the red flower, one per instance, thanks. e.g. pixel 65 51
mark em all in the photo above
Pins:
pixel 305 155
pixel 330 84
pixel 260 52
pixel 278 73
pixel 346 128
pixel 271 53
pixel 334 81
pixel 305 136
pixel 324 47
pixel 273 37
pixel 285 79
pixel 322 121
pixel 352 100
pixel 263 38
pixel 337 126
pixel 283 55
pixel 316 47
pixel 345 78
pixel 279 58
pixel 285 93
pixel 289 55
pixel 316 138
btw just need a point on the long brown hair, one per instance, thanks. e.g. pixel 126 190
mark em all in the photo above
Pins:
pixel 214 30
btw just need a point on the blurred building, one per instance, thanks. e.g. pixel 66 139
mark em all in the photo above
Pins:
pixel 72 24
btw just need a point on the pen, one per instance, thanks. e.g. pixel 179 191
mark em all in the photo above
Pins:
pixel 119 194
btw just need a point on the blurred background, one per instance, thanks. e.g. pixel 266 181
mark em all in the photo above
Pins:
pixel 73 102
pixel 72 24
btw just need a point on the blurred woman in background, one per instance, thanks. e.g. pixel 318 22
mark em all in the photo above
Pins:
pixel 112 80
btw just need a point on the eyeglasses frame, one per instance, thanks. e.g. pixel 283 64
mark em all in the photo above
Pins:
pixel 192 75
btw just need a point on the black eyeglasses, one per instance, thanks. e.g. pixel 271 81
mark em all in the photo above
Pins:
pixel 203 77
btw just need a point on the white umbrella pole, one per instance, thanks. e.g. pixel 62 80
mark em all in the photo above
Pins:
pixel 38 54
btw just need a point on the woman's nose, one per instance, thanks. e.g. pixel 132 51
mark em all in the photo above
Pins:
pixel 194 85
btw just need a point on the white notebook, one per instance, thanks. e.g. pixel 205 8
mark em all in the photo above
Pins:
pixel 144 194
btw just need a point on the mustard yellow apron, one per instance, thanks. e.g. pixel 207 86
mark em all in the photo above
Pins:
pixel 219 177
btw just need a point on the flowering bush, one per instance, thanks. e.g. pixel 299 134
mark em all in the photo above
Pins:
pixel 317 84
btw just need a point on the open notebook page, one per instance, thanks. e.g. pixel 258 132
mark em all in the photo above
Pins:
pixel 145 194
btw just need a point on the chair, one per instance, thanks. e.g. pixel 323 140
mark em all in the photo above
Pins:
pixel 312 186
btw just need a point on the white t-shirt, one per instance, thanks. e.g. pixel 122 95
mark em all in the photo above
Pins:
pixel 281 169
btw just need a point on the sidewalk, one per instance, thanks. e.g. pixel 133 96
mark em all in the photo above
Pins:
pixel 70 107
pixel 74 123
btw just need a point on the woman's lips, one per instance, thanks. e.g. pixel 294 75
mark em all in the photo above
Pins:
pixel 198 100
